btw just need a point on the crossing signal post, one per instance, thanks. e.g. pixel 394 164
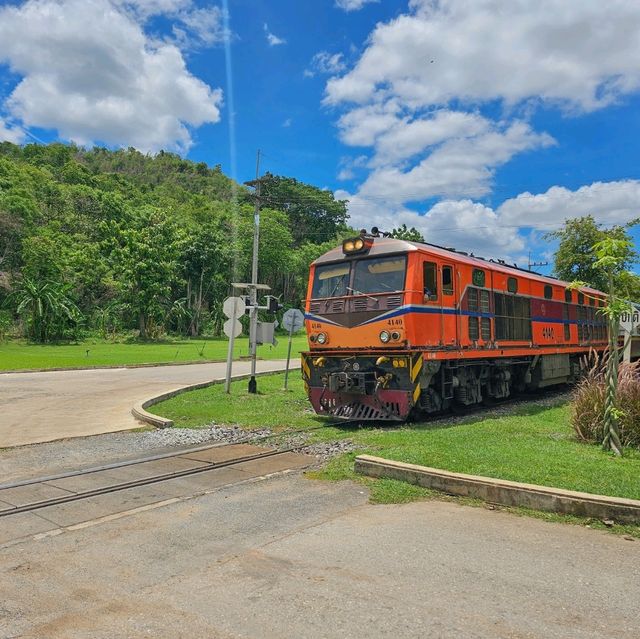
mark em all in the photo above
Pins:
pixel 292 320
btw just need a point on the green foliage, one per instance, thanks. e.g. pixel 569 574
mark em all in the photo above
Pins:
pixel 47 308
pixel 149 243
pixel 577 258
pixel 588 406
pixel 314 214
pixel 409 234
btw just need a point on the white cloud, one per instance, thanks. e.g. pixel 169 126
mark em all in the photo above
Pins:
pixel 272 39
pixel 326 63
pixel 10 133
pixel 90 72
pixel 580 54
pixel 287 123
pixel 191 25
pixel 353 5
pixel 349 166
pixel 608 202
pixel 474 227
pixel 414 99
pixel 460 167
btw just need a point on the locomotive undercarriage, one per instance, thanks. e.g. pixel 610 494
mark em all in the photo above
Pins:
pixel 395 386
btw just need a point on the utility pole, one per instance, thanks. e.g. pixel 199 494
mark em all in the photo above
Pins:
pixel 253 290
pixel 532 264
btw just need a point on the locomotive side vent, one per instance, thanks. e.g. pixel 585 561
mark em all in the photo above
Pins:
pixel 314 307
pixel 360 305
pixel 337 306
pixel 394 302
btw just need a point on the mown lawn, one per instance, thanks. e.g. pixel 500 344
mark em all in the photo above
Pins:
pixel 19 354
pixel 532 443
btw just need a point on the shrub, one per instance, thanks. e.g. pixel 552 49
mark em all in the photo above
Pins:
pixel 587 410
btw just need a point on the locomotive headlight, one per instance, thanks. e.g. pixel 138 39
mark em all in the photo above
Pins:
pixel 358 244
pixel 322 338
pixel 348 246
pixel 384 336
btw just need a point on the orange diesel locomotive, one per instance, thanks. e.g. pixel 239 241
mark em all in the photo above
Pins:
pixel 399 327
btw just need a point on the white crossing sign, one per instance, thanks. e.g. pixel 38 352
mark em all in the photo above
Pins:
pixel 234 307
pixel 293 320
pixel 232 325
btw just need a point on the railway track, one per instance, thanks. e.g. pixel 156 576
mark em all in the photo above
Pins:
pixel 54 490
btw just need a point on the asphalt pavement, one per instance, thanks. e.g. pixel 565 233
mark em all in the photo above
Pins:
pixel 46 406
pixel 290 557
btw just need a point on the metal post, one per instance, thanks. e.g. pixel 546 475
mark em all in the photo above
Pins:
pixel 253 291
pixel 286 370
pixel 232 339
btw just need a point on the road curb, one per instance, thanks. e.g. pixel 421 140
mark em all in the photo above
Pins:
pixel 504 492
pixel 139 409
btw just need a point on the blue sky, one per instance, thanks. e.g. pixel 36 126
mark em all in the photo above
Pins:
pixel 484 124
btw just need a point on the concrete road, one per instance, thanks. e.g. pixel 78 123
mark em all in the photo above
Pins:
pixel 42 407
pixel 288 557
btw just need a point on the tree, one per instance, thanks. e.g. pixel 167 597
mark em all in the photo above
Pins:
pixel 206 259
pixel 611 253
pixel 144 254
pixel 575 258
pixel 409 234
pixel 46 306
pixel 314 214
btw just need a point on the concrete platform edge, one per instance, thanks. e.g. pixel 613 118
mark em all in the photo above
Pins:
pixel 504 492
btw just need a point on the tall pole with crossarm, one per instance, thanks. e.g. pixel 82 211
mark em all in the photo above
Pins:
pixel 253 291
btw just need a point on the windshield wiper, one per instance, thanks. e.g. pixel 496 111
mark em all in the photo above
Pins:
pixel 356 292
pixel 338 283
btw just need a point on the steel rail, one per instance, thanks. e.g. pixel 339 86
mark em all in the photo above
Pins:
pixel 54 501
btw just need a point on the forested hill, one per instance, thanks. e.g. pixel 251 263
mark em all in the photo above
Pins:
pixel 105 241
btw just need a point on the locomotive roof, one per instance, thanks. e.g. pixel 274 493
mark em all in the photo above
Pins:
pixel 386 246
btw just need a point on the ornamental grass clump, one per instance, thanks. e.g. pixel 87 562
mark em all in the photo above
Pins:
pixel 588 407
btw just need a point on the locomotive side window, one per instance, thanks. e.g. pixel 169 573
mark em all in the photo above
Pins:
pixel 379 275
pixel 474 332
pixel 330 280
pixel 580 298
pixel 447 280
pixel 485 326
pixel 478 277
pixel 548 292
pixel 568 295
pixel 565 317
pixel 512 285
pixel 430 280
pixel 473 299
pixel 513 317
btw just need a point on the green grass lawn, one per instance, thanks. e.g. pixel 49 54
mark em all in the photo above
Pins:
pixel 532 444
pixel 16 355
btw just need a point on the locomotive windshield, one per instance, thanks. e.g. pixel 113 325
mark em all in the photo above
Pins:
pixel 379 275
pixel 374 275
pixel 331 280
